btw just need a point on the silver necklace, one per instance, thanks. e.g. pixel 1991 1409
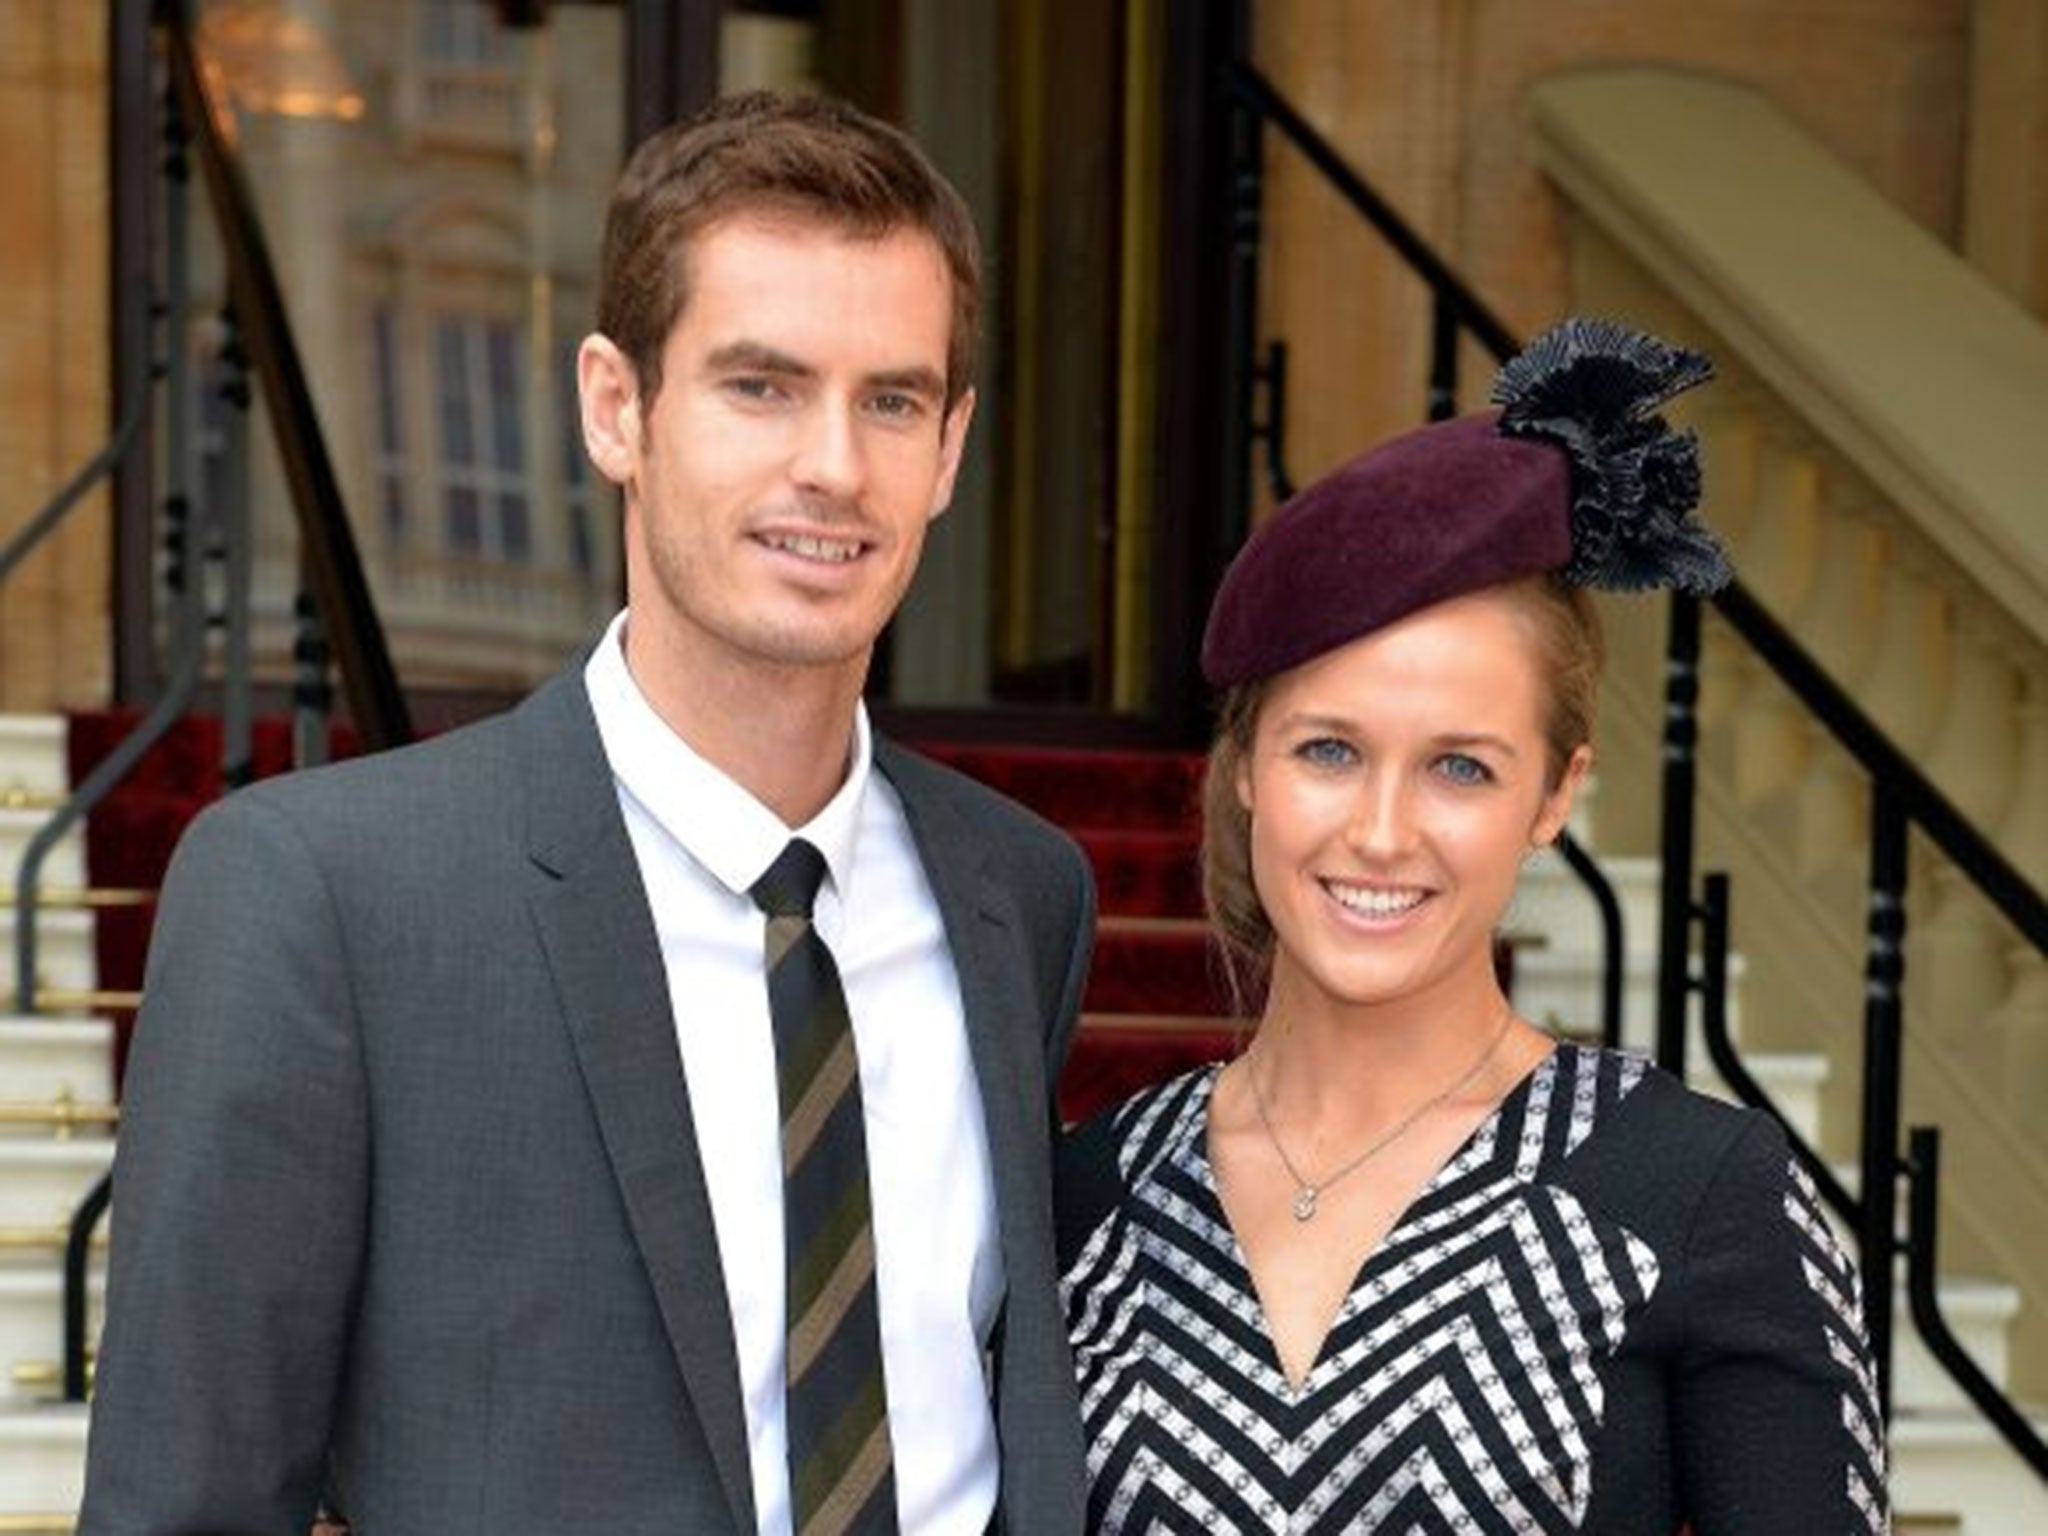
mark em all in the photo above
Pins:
pixel 1306 1192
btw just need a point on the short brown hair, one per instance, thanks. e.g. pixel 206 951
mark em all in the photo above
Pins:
pixel 800 157
pixel 1566 629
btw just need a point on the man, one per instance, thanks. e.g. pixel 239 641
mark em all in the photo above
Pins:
pixel 463 1184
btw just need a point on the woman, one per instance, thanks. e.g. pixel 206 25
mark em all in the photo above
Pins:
pixel 1408 1264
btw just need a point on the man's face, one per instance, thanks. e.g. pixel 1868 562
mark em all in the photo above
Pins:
pixel 779 485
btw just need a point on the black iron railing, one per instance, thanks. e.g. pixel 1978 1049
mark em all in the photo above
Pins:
pixel 1455 311
pixel 1902 800
pixel 326 541
pixel 1902 797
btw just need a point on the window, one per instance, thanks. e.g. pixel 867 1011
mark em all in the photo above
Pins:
pixel 462 32
pixel 480 389
pixel 390 449
pixel 578 489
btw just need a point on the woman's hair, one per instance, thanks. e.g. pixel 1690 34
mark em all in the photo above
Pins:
pixel 1565 628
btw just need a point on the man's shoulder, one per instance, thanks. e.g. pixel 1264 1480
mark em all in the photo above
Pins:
pixel 444 783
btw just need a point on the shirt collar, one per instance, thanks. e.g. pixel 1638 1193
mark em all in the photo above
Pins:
pixel 711 817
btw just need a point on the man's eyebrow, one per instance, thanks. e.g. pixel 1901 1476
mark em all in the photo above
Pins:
pixel 756 357
pixel 910 381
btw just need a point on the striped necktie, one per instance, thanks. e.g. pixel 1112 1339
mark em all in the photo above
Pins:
pixel 841 1473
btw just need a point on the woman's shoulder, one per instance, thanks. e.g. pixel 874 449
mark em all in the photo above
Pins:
pixel 1682 1123
pixel 1665 1148
pixel 1098 1160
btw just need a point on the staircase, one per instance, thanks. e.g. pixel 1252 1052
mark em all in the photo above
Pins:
pixel 1155 1004
pixel 56 1085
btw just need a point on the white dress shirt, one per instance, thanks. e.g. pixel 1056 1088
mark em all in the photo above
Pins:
pixel 701 842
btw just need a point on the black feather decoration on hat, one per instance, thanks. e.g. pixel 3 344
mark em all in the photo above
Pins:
pixel 1593 387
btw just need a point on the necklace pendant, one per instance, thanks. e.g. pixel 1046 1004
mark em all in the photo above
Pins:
pixel 1305 1203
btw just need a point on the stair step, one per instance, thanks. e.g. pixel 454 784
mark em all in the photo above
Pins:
pixel 65 864
pixel 33 754
pixel 1145 870
pixel 1116 1054
pixel 64 946
pixel 1551 900
pixel 1980 1313
pixel 1560 987
pixel 42 1059
pixel 1082 787
pixel 1793 1079
pixel 1156 965
pixel 1954 1461
pixel 42 1465
pixel 32 1323
pixel 41 1184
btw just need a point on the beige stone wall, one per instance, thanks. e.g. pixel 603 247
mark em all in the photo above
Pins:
pixel 1428 100
pixel 2005 197
pixel 54 645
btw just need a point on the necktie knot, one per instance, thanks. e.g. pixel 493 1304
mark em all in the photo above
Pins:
pixel 791 885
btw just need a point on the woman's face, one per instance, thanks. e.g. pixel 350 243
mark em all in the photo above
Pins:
pixel 1394 786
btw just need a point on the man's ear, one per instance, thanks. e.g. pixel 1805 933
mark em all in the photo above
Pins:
pixel 952 443
pixel 608 387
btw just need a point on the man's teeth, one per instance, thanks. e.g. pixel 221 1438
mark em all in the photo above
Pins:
pixel 815 549
pixel 1376 903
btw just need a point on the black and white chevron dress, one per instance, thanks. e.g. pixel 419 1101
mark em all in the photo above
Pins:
pixel 1616 1309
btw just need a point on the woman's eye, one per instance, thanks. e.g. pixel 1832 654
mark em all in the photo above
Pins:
pixel 1326 752
pixel 1463 769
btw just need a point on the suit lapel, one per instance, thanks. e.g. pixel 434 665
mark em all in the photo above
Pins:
pixel 590 908
pixel 1004 1014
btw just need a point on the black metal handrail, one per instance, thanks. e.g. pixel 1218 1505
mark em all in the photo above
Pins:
pixel 1456 310
pixel 1257 94
pixel 1922 1280
pixel 184 582
pixel 1902 799
pixel 1719 1039
pixel 1922 803
pixel 72 492
pixel 326 539
pixel 77 1264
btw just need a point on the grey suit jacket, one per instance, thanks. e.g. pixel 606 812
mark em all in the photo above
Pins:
pixel 409 1209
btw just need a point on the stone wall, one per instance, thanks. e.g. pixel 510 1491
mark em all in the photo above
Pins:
pixel 54 630
pixel 1429 102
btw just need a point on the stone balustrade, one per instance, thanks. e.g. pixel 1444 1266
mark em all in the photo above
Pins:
pixel 1876 458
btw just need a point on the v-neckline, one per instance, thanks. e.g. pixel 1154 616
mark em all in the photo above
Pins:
pixel 1197 1146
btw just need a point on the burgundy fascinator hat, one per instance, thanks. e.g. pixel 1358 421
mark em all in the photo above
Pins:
pixel 1576 473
